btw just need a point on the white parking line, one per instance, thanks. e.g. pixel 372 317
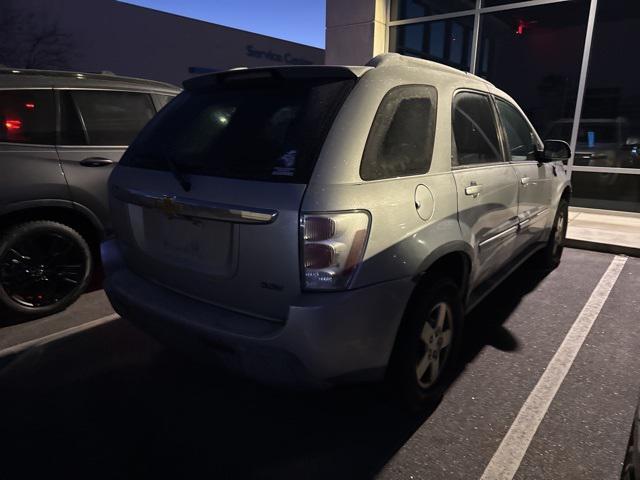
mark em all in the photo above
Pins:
pixel 57 335
pixel 506 460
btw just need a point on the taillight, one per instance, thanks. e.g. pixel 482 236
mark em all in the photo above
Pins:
pixel 13 125
pixel 333 246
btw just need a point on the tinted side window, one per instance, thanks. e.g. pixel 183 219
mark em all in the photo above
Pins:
pixel 27 116
pixel 71 130
pixel 112 118
pixel 401 139
pixel 521 139
pixel 474 130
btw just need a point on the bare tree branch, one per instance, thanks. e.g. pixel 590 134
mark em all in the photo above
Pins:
pixel 28 41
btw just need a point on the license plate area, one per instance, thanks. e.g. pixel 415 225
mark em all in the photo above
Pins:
pixel 205 246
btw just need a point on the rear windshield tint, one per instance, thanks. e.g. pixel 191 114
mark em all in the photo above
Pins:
pixel 266 131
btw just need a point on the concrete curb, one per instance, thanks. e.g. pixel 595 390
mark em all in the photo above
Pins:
pixel 602 247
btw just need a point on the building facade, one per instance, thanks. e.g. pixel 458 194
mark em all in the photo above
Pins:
pixel 568 63
pixel 97 35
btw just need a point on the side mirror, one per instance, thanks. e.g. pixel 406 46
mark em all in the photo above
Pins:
pixel 632 144
pixel 555 150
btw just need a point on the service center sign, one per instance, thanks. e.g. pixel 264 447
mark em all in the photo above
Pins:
pixel 276 57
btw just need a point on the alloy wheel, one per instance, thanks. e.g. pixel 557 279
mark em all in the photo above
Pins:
pixel 434 345
pixel 41 269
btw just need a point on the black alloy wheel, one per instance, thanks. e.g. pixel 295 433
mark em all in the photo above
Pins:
pixel 44 267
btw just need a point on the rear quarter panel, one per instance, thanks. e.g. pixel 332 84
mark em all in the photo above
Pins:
pixel 401 243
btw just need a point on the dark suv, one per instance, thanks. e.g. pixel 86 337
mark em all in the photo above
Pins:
pixel 60 135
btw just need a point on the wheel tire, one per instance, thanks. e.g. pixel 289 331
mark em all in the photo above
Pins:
pixel 551 255
pixel 411 350
pixel 62 281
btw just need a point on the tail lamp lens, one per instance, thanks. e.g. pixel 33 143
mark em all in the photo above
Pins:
pixel 333 248
pixel 318 255
pixel 13 125
pixel 319 228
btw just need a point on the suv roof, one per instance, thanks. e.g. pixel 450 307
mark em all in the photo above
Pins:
pixel 396 59
pixel 20 78
pixel 387 64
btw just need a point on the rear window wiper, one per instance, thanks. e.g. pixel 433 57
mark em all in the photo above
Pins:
pixel 173 167
pixel 184 182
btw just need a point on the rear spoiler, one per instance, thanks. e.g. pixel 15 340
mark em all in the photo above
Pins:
pixel 269 75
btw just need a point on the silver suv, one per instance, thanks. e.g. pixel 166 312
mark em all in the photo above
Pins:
pixel 61 133
pixel 331 224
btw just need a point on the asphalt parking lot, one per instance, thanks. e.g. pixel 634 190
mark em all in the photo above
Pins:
pixel 107 401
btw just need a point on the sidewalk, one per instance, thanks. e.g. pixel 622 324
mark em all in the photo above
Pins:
pixel 604 230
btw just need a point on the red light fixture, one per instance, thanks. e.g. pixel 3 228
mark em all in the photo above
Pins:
pixel 13 125
pixel 524 25
pixel 30 105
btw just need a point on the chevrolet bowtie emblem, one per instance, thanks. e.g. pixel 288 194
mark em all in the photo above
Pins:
pixel 169 206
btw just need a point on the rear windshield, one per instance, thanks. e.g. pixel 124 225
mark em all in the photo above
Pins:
pixel 267 131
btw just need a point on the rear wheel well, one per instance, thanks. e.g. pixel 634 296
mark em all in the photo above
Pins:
pixel 66 216
pixel 454 265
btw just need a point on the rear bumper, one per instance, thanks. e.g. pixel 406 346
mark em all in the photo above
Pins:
pixel 327 337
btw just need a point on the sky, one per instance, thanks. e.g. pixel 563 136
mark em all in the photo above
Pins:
pixel 299 21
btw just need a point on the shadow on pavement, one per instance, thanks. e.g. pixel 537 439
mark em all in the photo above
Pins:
pixel 112 403
pixel 485 325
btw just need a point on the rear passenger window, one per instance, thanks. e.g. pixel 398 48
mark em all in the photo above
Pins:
pixel 104 117
pixel 27 116
pixel 401 139
pixel 474 130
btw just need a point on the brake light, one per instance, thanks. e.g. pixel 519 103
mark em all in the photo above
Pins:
pixel 333 246
pixel 13 125
pixel 30 106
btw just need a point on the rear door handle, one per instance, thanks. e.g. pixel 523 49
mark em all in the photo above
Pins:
pixel 473 189
pixel 525 180
pixel 96 162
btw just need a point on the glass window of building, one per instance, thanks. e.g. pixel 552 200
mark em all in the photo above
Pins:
pixel 445 41
pixel 402 9
pixel 495 3
pixel 535 55
pixel 609 130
